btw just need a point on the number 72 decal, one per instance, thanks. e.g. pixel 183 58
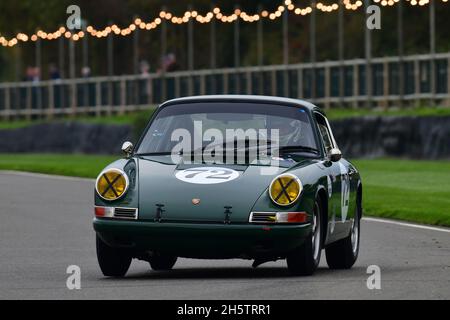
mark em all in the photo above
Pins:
pixel 345 191
pixel 207 175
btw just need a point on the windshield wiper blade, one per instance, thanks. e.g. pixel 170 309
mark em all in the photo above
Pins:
pixel 287 149
pixel 164 153
pixel 236 144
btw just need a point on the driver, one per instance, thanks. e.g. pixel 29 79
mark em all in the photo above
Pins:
pixel 289 130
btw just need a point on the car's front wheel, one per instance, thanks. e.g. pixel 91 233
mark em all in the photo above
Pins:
pixel 343 253
pixel 160 262
pixel 304 260
pixel 113 262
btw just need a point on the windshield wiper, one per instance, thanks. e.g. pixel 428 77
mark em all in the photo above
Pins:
pixel 164 153
pixel 288 149
pixel 236 144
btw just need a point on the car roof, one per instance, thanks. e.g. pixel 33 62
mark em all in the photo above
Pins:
pixel 244 98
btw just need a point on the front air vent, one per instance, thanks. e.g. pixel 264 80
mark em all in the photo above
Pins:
pixel 263 217
pixel 125 213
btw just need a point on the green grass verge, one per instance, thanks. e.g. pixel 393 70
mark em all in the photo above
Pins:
pixel 86 166
pixel 416 191
pixel 341 113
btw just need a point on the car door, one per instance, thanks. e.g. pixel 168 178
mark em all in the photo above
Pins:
pixel 338 184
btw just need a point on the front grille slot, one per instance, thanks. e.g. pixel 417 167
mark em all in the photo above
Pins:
pixel 125 213
pixel 263 217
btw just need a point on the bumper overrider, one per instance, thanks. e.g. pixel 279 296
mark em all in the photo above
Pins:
pixel 202 240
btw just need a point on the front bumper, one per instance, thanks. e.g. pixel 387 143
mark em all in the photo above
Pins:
pixel 195 240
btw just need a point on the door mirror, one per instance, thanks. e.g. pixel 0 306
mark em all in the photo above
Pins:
pixel 335 155
pixel 127 148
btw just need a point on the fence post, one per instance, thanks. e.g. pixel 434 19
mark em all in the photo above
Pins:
pixel 29 102
pixel 432 53
pixel 417 81
pixel 123 96
pixel 98 98
pixel 202 84
pixel 286 51
pixel 260 39
pixel 341 52
pixel 368 56
pixel 73 98
pixel 355 86
pixel 327 88
pixel 386 83
pixel 110 96
pixel 300 83
pixel 7 103
pixel 312 51
pixel 237 48
pixel 401 72
pixel 51 100
pixel 286 82
pixel 273 81
pixel 177 87
pixel 190 30
pixel 150 91
pixel 213 52
pixel 225 83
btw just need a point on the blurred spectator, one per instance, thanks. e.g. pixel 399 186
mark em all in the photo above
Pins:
pixel 144 84
pixel 54 73
pixel 29 74
pixel 86 72
pixel 144 68
pixel 35 74
pixel 172 64
pixel 169 63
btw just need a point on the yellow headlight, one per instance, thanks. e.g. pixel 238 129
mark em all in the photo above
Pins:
pixel 112 184
pixel 285 189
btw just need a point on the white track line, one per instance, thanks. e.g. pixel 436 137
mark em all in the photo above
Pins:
pixel 46 176
pixel 405 224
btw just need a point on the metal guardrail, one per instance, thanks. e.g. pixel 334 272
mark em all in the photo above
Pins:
pixel 392 81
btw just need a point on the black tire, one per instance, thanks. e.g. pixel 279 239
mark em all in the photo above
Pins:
pixel 343 253
pixel 161 262
pixel 304 260
pixel 113 262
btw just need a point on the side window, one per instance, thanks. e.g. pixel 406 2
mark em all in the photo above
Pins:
pixel 325 133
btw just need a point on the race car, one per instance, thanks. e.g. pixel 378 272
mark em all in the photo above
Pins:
pixel 229 176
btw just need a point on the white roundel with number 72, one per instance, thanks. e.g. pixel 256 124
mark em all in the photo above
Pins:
pixel 207 175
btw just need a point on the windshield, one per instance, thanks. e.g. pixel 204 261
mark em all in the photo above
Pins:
pixel 204 122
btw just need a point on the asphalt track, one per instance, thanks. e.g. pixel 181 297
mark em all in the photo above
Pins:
pixel 46 226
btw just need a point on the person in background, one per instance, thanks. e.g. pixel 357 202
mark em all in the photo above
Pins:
pixel 171 63
pixel 144 68
pixel 86 72
pixel 145 83
pixel 54 73
pixel 29 74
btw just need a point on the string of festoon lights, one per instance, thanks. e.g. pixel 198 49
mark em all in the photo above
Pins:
pixel 216 13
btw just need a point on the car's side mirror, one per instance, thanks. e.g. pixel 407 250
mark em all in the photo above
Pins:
pixel 335 155
pixel 127 148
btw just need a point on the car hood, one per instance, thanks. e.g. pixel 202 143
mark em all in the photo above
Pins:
pixel 177 187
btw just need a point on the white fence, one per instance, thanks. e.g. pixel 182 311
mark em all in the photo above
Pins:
pixel 390 81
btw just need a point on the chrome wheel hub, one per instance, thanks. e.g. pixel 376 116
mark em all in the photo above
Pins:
pixel 316 232
pixel 355 235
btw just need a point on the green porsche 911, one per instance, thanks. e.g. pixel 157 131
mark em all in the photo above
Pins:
pixel 219 177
